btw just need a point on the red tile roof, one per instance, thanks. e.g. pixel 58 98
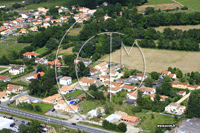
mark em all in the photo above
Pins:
pixel 31 53
pixel 41 74
pixel 3 77
pixel 181 92
pixel 129 87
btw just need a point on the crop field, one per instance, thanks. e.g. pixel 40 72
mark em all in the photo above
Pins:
pixel 159 6
pixel 194 4
pixel 157 60
pixel 10 44
pixel 155 2
pixel 186 27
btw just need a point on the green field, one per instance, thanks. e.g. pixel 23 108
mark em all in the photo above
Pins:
pixel 75 31
pixel 10 44
pixel 41 50
pixel 6 2
pixel 2 68
pixel 155 2
pixel 75 94
pixel 194 4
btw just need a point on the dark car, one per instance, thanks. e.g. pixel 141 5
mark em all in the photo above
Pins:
pixel 53 110
pixel 10 117
pixel 12 125
pixel 4 116
pixel 23 122
pixel 73 123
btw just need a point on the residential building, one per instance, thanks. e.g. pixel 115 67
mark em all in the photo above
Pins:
pixel 183 93
pixel 105 3
pixel 14 70
pixel 35 76
pixel 109 72
pixel 46 25
pixel 41 60
pixel 141 77
pixel 102 66
pixel 147 90
pixel 94 113
pixel 56 20
pixel 60 10
pixel 53 99
pixel 114 90
pixel 93 71
pixel 55 62
pixel 129 88
pixel 30 54
pixel 23 99
pixel 86 81
pixel 113 84
pixel 132 95
pixel 180 85
pixel 85 61
pixel 48 18
pixel 130 119
pixel 33 28
pixel 164 73
pixel 65 80
pixel 60 56
pixel 72 108
pixel 193 87
pixel 106 78
pixel 113 117
pixel 4 78
pixel 162 97
pixel 60 105
pixel 13 88
pixel 23 31
pixel 106 17
pixel 175 108
pixel 66 89
pixel 3 96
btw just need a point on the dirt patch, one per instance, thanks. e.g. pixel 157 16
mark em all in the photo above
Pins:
pixel 159 6
pixel 65 51
pixel 158 60
pixel 187 27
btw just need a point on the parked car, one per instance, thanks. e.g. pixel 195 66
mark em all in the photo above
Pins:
pixel 4 116
pixel 23 122
pixel 12 125
pixel 73 123
pixel 10 117
pixel 53 110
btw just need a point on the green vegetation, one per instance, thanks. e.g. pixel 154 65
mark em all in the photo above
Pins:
pixel 6 2
pixel 26 71
pixel 41 50
pixel 2 68
pixel 191 4
pixel 75 31
pixel 22 83
pixel 10 44
pixel 155 2
pixel 88 105
pixel 75 94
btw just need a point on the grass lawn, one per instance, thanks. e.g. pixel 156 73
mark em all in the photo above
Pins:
pixel 2 68
pixel 95 63
pixel 75 94
pixel 44 107
pixel 154 2
pixel 7 2
pixel 75 31
pixel 41 50
pixel 87 105
pixel 10 44
pixel 194 4
pixel 21 83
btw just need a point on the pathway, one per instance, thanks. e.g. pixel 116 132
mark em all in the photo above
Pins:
pixel 183 98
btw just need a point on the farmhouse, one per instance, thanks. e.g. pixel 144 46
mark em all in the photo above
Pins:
pixel 164 73
pixel 30 54
pixel 93 71
pixel 65 80
pixel 60 105
pixel 72 108
pixel 16 70
pixel 102 66
pixel 183 93
pixel 66 89
pixel 162 97
pixel 33 29
pixel 13 88
pixel 23 99
pixel 114 90
pixel 4 78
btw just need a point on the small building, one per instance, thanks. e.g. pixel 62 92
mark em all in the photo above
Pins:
pixel 180 85
pixel 60 105
pixel 3 96
pixel 132 95
pixel 85 61
pixel 33 28
pixel 164 73
pixel 86 81
pixel 175 108
pixel 183 93
pixel 4 78
pixel 35 76
pixel 30 54
pixel 23 99
pixel 106 17
pixel 60 10
pixel 141 77
pixel 72 108
pixel 193 87
pixel 52 99
pixel 23 31
pixel 129 88
pixel 162 97
pixel 41 61
pixel 5 123
pixel 102 66
pixel 56 21
pixel 65 80
pixel 14 70
pixel 105 3
pixel 113 117
pixel 60 56
pixel 13 88
pixel 66 89
pixel 109 72
pixel 130 119
pixel 106 78
pixel 93 71
pixel 55 62
pixel 114 90
pixel 94 113
pixel 147 90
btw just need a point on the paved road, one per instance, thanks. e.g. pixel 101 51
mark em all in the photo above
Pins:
pixel 183 98
pixel 52 120
pixel 8 67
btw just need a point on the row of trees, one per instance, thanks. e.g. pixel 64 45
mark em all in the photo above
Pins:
pixel 121 127
pixel 30 107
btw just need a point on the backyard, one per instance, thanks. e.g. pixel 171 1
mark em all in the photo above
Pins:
pixel 75 94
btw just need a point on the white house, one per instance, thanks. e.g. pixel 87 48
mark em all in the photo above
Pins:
pixel 3 96
pixel 110 73
pixel 4 78
pixel 94 113
pixel 114 90
pixel 93 71
pixel 164 73
pixel 16 70
pixel 13 88
pixel 33 28
pixel 41 61
pixel 85 61
pixel 23 99
pixel 72 108
pixel 112 117
pixel 66 89
pixel 35 76
pixel 30 54
pixel 105 3
pixel 141 77
pixel 175 108
pixel 65 80
pixel 183 93
pixel 85 81
pixel 102 66
pixel 147 90
pixel 132 95
pixel 129 88
pixel 60 105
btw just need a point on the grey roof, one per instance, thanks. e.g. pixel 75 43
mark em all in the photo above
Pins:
pixel 190 126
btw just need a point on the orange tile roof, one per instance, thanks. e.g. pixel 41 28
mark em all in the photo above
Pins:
pixel 2 93
pixel 102 64
pixel 181 92
pixel 171 75
pixel 47 16
pixel 130 118
pixel 115 88
pixel 23 98
pixel 179 83
pixel 72 107
pixel 129 87
pixel 141 75
pixel 51 98
pixel 161 96
pixel 165 72
pixel 134 94
pixel 143 88
pixel 87 80
pixel 110 71
pixel 193 86
pixel 114 83
pixel 31 53
pixel 41 74
pixel 23 31
pixel 61 102
pixel 92 69
pixel 55 62
pixel 11 87
pixel 3 77
pixel 66 88
pixel 106 77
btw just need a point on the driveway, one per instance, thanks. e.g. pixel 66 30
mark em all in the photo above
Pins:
pixel 23 78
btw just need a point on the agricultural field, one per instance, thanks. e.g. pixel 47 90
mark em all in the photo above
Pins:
pixel 193 4
pixel 65 51
pixel 155 2
pixel 157 60
pixel 8 2
pixel 186 27
pixel 75 31
pixel 159 6
pixel 10 44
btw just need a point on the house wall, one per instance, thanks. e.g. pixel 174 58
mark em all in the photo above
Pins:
pixel 66 82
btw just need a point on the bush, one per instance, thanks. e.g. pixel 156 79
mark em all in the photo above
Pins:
pixel 38 108
pixel 184 8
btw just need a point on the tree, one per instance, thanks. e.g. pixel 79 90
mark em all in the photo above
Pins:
pixel 29 67
pixel 149 10
pixel 152 116
pixel 23 128
pixel 52 43
pixel 149 82
pixel 38 108
pixel 29 106
pixel 110 24
pixel 93 87
pixel 14 55
pixel 4 130
pixel 108 108
pixel 53 91
pixel 4 60
pixel 122 127
pixel 179 73
pixel 34 126
pixel 155 75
